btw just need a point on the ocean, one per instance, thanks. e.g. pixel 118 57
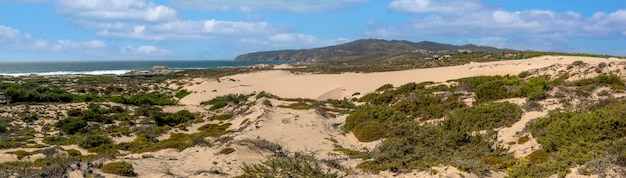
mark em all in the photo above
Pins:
pixel 111 67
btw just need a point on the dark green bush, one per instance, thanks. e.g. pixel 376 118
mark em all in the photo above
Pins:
pixel 3 129
pixel 221 117
pixel 538 156
pixel 369 131
pixel 93 141
pixel 182 93
pixel 482 117
pixel 119 168
pixel 578 137
pixel 602 79
pixel 381 114
pixel 72 125
pixel 298 166
pixel 174 119
pixel 30 118
pixel 223 101
pixel 523 74
pixel 145 99
pixel 384 87
pixel 226 151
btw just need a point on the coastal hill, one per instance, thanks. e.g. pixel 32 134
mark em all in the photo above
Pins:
pixel 363 49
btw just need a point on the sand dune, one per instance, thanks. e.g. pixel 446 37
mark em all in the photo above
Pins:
pixel 338 86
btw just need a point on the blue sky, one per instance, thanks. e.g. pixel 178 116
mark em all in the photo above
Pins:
pixel 40 30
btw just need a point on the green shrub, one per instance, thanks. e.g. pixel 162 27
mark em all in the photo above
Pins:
pixel 30 118
pixel 3 129
pixel 369 131
pixel 21 154
pixel 381 114
pixel 221 117
pixel 226 151
pixel 298 166
pixel 214 130
pixel 119 168
pixel 602 79
pixel 482 117
pixel 174 119
pixel 140 99
pixel 384 87
pixel 538 156
pixel 579 136
pixel 223 101
pixel 73 152
pixel 72 125
pixel 182 93
pixel 267 103
pixel 523 140
pixel 93 141
pixel 523 74
pixel 495 162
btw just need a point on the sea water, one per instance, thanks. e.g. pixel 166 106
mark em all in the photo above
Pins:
pixel 112 67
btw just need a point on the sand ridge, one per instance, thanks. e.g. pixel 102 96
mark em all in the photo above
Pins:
pixel 338 86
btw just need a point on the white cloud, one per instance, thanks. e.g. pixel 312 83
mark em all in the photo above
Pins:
pixel 298 6
pixel 439 6
pixel 145 50
pixel 11 35
pixel 115 10
pixel 11 38
pixel 472 19
pixel 293 38
pixel 64 45
pixel 190 30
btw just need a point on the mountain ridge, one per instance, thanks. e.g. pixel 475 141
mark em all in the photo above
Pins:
pixel 362 48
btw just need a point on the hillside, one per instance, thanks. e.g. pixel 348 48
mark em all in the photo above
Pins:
pixel 361 49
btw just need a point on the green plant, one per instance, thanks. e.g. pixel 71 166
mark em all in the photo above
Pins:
pixel 221 117
pixel 267 103
pixel 119 168
pixel 72 125
pixel 538 156
pixel 523 139
pixel 523 74
pixel 73 152
pixel 226 151
pixel 300 165
pixel 93 141
pixel 223 101
pixel 384 87
pixel 182 93
pixel 21 154
pixel 369 131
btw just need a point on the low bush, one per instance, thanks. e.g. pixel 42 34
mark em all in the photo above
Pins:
pixel 226 151
pixel 223 101
pixel 72 125
pixel 482 117
pixel 384 87
pixel 173 119
pixel 300 165
pixel 182 93
pixel 73 152
pixel 93 141
pixel 538 156
pixel 221 117
pixel 119 168
pixel 369 131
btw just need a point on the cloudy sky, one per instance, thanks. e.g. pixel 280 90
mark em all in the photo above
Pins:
pixel 35 30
